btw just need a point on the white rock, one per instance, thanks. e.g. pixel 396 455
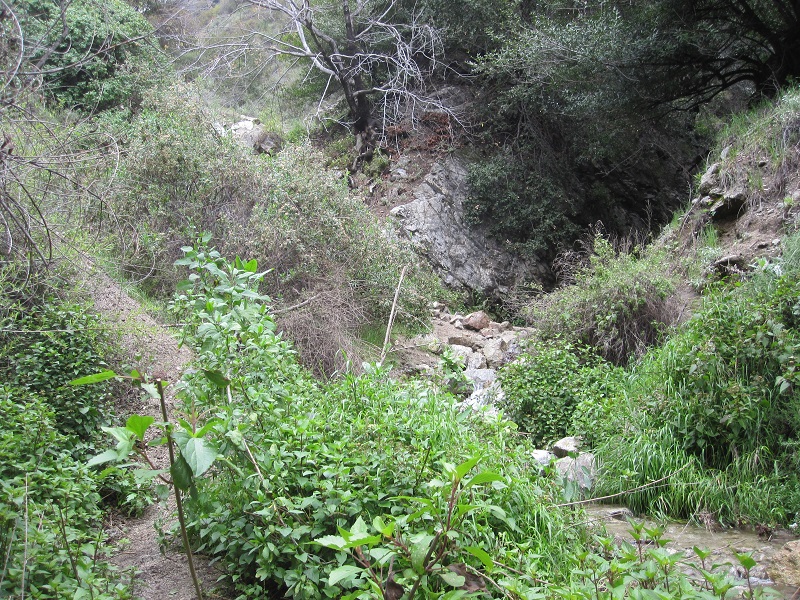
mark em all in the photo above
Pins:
pixel 566 446
pixel 543 457
pixel 495 352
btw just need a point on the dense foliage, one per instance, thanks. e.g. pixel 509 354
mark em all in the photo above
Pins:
pixel 544 387
pixel 617 303
pixel 91 56
pixel 301 459
pixel 51 502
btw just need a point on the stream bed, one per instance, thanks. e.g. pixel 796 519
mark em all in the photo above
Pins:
pixel 721 542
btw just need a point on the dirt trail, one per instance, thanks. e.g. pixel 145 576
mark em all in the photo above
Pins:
pixel 160 573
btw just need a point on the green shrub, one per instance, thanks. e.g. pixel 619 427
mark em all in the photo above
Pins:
pixel 716 408
pixel 95 56
pixel 43 347
pixel 619 304
pixel 526 208
pixel 301 459
pixel 727 380
pixel 49 509
pixel 544 386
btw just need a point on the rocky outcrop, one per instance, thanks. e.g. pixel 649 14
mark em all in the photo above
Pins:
pixel 566 446
pixel 465 256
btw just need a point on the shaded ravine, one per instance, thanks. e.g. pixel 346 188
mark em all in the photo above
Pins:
pixel 157 573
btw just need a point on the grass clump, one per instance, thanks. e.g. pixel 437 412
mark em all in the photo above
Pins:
pixel 716 408
pixel 760 149
pixel 619 303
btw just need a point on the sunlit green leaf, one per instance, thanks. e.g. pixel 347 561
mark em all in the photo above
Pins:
pixel 96 378
pixel 138 424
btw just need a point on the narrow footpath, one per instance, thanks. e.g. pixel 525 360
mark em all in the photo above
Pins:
pixel 158 573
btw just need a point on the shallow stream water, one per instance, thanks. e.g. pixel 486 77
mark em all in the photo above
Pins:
pixel 721 542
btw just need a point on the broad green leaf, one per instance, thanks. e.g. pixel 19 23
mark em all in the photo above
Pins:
pixel 463 509
pixel 745 560
pixel 419 550
pixel 359 526
pixel 466 467
pixel 482 556
pixel 452 579
pixel 332 541
pixel 181 474
pixel 152 390
pixel 104 457
pixel 363 539
pixel 199 454
pixel 122 434
pixel 147 475
pixel 138 424
pixel 381 527
pixel 206 428
pixel 484 477
pixel 343 572
pixel 96 378
pixel 217 378
pixel 381 555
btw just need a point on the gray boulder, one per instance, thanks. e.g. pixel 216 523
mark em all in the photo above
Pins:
pixel 566 446
pixel 465 256
pixel 581 470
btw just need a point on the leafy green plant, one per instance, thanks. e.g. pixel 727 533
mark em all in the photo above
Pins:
pixel 425 550
pixel 545 385
pixel 50 508
pixel 43 347
pixel 196 454
pixel 298 459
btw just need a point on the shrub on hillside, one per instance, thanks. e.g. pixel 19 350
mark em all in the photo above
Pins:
pixel 717 407
pixel 329 257
pixel 44 344
pixel 92 55
pixel 618 303
pixel 727 380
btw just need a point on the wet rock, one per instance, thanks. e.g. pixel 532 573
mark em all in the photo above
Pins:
pixel 543 457
pixel 566 446
pixel 785 566
pixel 481 378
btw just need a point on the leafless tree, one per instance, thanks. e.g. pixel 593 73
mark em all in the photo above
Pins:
pixel 381 56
